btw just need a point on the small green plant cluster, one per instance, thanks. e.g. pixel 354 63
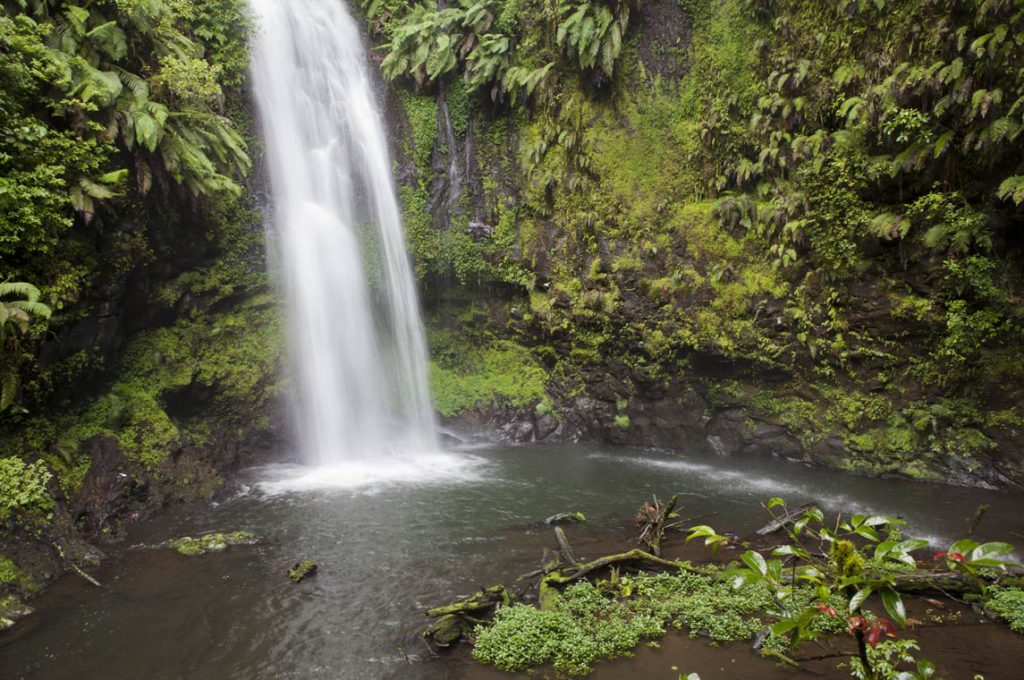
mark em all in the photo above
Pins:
pixel 23 490
pixel 1008 603
pixel 584 627
pixel 888 657
pixel 609 619
pixel 186 545
pixel 12 575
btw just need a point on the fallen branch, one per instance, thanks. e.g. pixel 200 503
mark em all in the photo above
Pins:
pixel 781 522
pixel 976 520
pixel 74 567
pixel 564 547
pixel 635 555
pixel 457 620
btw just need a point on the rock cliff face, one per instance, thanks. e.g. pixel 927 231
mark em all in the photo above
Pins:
pixel 657 318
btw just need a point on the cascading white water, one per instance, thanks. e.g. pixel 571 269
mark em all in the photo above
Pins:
pixel 356 334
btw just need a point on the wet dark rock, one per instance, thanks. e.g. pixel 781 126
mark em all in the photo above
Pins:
pixel 110 486
pixel 544 426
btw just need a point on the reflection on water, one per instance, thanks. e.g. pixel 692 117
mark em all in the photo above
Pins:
pixel 392 542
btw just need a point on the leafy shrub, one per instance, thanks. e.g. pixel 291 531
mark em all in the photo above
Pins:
pixel 1009 604
pixel 584 626
pixel 23 491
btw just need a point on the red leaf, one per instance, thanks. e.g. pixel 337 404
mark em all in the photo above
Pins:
pixel 872 634
pixel 886 626
pixel 939 555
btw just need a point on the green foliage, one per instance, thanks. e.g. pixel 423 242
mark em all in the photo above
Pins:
pixel 23 490
pixel 609 619
pixel 12 575
pixel 591 33
pixel 850 560
pixel 464 373
pixel 886 659
pixel 110 112
pixel 705 606
pixel 1008 603
pixel 766 207
pixel 16 314
pixel 584 626
pixel 234 356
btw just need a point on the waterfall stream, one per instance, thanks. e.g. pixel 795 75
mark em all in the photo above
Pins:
pixel 355 330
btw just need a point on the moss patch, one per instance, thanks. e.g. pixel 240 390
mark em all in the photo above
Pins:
pixel 189 546
pixel 499 371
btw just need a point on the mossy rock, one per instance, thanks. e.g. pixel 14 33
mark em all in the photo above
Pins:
pixel 302 570
pixel 186 545
pixel 12 609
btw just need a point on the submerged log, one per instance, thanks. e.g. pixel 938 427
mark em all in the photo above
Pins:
pixel 566 518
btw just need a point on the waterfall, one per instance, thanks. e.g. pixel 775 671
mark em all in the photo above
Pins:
pixel 355 330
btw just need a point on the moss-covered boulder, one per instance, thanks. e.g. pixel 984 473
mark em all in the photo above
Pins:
pixel 302 570
pixel 12 609
pixel 186 545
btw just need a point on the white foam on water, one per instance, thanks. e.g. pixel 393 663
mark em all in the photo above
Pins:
pixel 364 475
pixel 738 480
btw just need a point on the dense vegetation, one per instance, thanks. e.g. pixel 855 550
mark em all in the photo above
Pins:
pixel 827 190
pixel 825 579
pixel 136 328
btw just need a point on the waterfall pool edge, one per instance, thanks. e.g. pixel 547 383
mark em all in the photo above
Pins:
pixel 388 548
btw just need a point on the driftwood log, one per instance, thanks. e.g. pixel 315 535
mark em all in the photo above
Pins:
pixel 653 518
pixel 455 621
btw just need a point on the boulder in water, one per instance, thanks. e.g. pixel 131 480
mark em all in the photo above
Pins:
pixel 302 570
pixel 186 545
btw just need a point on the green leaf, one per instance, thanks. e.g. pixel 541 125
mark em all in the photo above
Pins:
pixel 894 605
pixel 755 561
pixel 784 626
pixel 789 550
pixel 867 532
pixel 859 597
